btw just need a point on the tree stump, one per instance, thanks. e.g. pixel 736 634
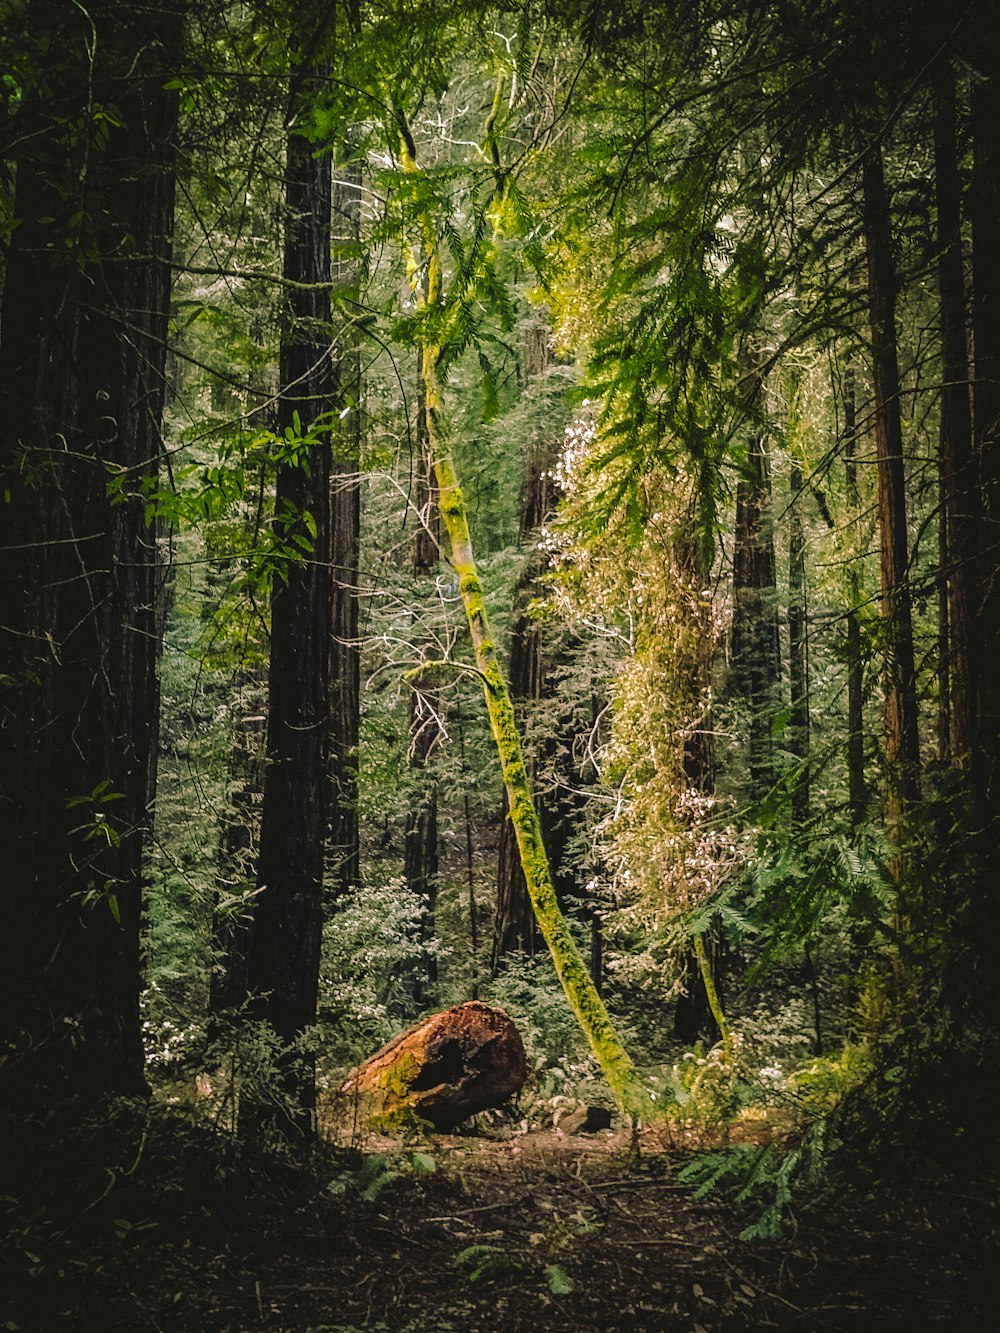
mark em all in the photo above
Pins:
pixel 443 1069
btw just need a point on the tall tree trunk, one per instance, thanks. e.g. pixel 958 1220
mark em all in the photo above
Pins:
pixel 856 786
pixel 984 919
pixel 695 1012
pixel 986 385
pixel 345 666
pixel 960 504
pixel 514 923
pixel 420 849
pixel 283 969
pixel 902 748
pixel 470 864
pixel 756 659
pixel 82 358
pixel 232 926
pixel 798 626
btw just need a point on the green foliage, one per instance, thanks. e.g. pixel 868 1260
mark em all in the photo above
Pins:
pixel 826 1080
pixel 374 958
pixel 799 888
pixel 381 1170
pixel 485 1262
pixel 768 1179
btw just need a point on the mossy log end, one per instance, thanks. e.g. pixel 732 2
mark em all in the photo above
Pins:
pixel 443 1069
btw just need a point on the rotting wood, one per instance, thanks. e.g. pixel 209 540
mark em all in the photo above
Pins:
pixel 443 1069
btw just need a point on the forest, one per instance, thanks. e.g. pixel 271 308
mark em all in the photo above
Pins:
pixel 499 757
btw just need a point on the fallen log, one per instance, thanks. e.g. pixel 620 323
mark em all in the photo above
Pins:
pixel 443 1069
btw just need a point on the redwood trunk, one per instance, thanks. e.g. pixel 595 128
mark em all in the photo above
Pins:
pixel 959 493
pixel 421 865
pixel 798 647
pixel 856 785
pixel 345 666
pixel 283 967
pixel 82 359
pixel 755 644
pixel 902 749
pixel 514 929
pixel 984 922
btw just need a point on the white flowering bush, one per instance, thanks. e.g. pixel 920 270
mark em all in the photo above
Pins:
pixel 373 961
pixel 170 1042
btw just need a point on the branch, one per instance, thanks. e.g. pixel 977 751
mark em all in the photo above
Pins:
pixel 446 664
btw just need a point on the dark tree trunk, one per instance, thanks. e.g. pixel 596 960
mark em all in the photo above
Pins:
pixel 693 1017
pixel 82 356
pixel 986 385
pixel 420 850
pixel 470 865
pixel 902 748
pixel 514 929
pixel 345 667
pixel 756 660
pixel 798 647
pixel 856 786
pixel 959 520
pixel 283 970
pixel 232 927
pixel 981 977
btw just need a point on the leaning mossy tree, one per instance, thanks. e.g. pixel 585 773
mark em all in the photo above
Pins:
pixel 595 1023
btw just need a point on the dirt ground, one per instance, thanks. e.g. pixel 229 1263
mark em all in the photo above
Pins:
pixel 466 1234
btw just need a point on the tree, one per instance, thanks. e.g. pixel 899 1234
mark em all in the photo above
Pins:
pixel 283 966
pixel 902 744
pixel 514 923
pixel 578 987
pixel 82 355
pixel 420 845
pixel 345 522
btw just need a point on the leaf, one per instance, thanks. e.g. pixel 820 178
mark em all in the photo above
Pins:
pixel 423 1163
pixel 560 1282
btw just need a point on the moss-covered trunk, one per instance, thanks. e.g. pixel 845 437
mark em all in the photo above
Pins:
pixel 572 971
pixel 588 1007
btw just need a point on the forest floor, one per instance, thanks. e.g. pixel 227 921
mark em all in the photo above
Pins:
pixel 148 1222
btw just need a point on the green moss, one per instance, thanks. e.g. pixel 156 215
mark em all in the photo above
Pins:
pixel 714 1003
pixel 451 504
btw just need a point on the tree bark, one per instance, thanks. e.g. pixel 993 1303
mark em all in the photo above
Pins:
pixel 756 658
pixel 986 385
pixel 981 978
pixel 798 630
pixel 232 926
pixel 345 664
pixel 695 1012
pixel 514 923
pixel 856 786
pixel 959 518
pixel 283 969
pixel 82 359
pixel 421 865
pixel 902 747
pixel 444 1069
